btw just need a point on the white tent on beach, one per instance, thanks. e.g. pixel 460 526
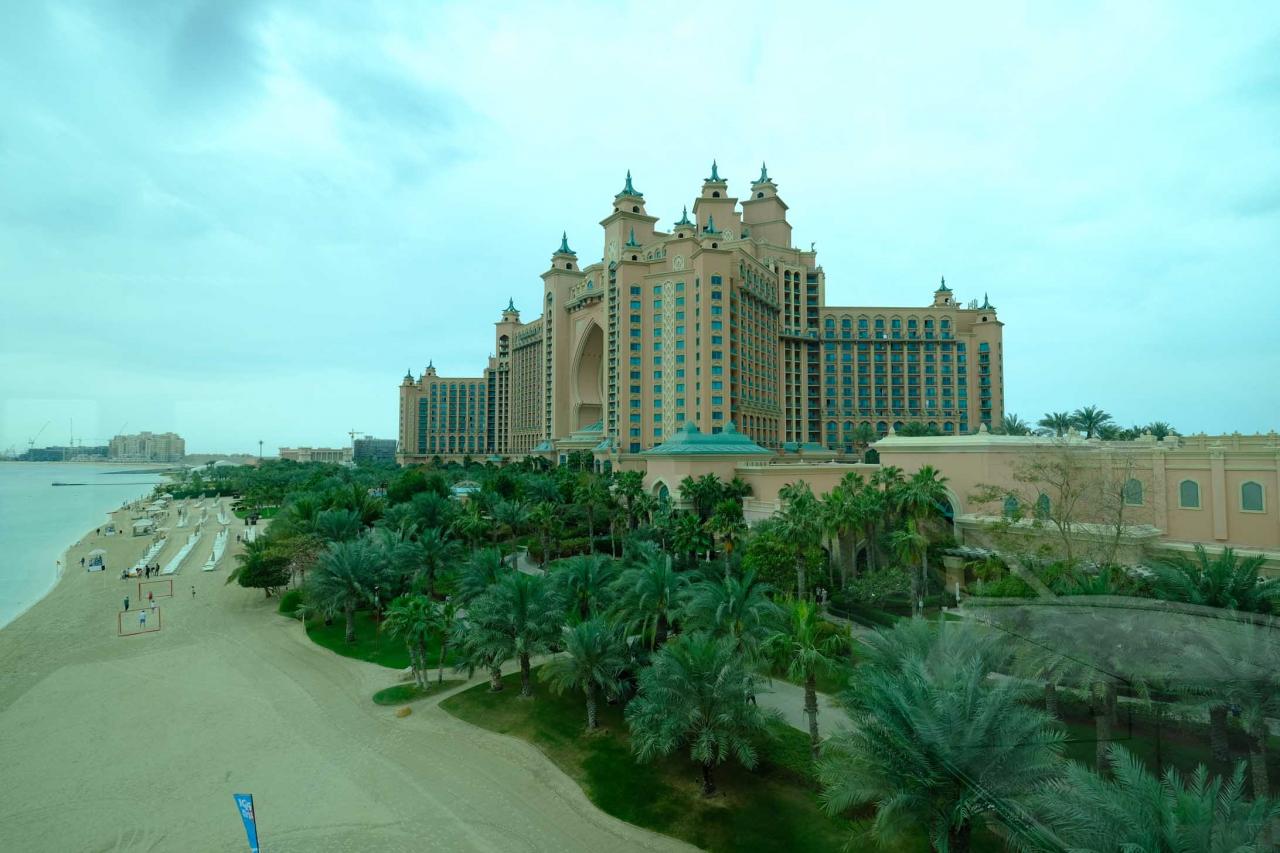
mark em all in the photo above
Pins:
pixel 143 526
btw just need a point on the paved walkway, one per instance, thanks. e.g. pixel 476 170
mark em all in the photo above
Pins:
pixel 788 699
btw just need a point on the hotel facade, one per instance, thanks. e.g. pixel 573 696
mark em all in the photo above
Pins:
pixel 716 320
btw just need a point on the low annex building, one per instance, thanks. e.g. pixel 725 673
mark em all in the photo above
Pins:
pixel 717 318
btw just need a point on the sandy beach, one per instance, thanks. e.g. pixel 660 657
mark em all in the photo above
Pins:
pixel 138 742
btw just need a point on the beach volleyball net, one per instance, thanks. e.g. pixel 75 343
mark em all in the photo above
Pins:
pixel 129 625
pixel 159 588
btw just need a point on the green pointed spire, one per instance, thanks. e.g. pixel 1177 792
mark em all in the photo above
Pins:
pixel 986 304
pixel 943 285
pixel 631 241
pixel 764 174
pixel 715 174
pixel 711 225
pixel 408 374
pixel 511 305
pixel 684 216
pixel 629 190
pixel 564 245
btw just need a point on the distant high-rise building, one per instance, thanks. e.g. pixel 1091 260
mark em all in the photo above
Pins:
pixel 717 319
pixel 374 450
pixel 147 447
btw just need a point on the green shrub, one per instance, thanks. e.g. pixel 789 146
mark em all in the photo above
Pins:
pixel 1009 586
pixel 290 602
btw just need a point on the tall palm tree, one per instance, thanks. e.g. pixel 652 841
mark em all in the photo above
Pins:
pixel 912 548
pixel 511 516
pixel 690 536
pixel 1225 581
pixel 448 624
pixel 629 486
pixel 432 555
pixel 338 525
pixel 584 582
pixel 1011 424
pixel 735 607
pixel 1056 423
pixel 412 618
pixel 1090 419
pixel 934 741
pixel 593 662
pixel 922 497
pixel 345 577
pixel 1160 429
pixel 802 524
pixel 648 593
pixel 702 493
pixel 727 524
pixel 693 696
pixel 517 618
pixel 471 524
pixel 805 645
pixel 545 518
pixel 1085 811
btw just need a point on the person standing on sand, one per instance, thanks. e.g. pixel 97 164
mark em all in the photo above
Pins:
pixel 142 618
pixel 126 604
pixel 153 605
pixel 82 562
pixel 150 596
pixel 193 592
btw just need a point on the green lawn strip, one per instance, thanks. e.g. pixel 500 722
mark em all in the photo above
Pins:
pixel 264 512
pixel 400 694
pixel 370 644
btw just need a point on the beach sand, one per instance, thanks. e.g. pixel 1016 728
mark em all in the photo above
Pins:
pixel 138 742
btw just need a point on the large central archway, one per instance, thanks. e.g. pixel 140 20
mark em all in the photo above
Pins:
pixel 588 379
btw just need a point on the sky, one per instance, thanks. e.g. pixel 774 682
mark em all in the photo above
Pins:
pixel 244 221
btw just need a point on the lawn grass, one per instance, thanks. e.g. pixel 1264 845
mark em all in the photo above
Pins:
pixel 771 808
pixel 370 644
pixel 399 694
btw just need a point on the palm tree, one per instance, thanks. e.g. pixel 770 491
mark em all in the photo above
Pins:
pixel 1056 423
pixel 449 624
pixel 802 525
pixel 512 515
pixel 471 524
pixel 735 607
pixel 919 498
pixel 805 646
pixel 690 535
pixel 517 618
pixel 478 574
pixel 1011 424
pixel 1160 429
pixel 593 663
pixel 1085 811
pixel 262 564
pixel 1223 581
pixel 934 742
pixel 344 578
pixel 412 618
pixel 703 494
pixel 593 498
pixel 338 525
pixel 433 554
pixel 693 695
pixel 648 593
pixel 841 521
pixel 584 583
pixel 1090 419
pixel 545 518
pixel 911 547
pixel 726 522
pixel 629 486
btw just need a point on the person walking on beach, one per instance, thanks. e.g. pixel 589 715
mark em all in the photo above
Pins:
pixel 193 592
pixel 126 604
pixel 150 596
pixel 82 562
pixel 153 605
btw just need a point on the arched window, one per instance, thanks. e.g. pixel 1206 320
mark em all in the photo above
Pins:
pixel 1251 497
pixel 1133 492
pixel 1042 506
pixel 1189 494
pixel 1010 506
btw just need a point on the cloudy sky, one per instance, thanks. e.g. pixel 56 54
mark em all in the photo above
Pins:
pixel 245 220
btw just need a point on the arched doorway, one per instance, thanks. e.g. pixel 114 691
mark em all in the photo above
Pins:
pixel 588 379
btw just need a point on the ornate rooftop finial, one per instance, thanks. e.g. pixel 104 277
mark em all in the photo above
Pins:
pixel 764 174
pixel 629 190
pixel 511 304
pixel 631 240
pixel 986 304
pixel 711 225
pixel 715 173
pixel 684 216
pixel 943 285
pixel 408 374
pixel 564 245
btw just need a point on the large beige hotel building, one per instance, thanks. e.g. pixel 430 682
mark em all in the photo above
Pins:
pixel 717 319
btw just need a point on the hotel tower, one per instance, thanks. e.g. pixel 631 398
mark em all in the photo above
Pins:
pixel 717 320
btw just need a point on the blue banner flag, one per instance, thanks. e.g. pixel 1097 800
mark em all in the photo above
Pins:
pixel 244 802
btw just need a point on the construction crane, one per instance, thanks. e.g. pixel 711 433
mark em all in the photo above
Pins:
pixel 31 442
pixel 353 432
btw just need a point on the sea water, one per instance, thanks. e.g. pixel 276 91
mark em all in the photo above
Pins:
pixel 39 521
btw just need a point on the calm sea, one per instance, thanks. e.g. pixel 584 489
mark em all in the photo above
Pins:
pixel 39 521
